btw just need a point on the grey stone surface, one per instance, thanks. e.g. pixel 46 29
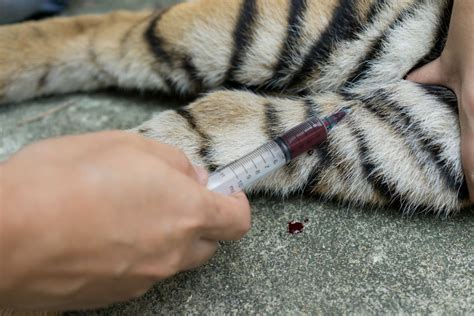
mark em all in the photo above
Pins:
pixel 345 260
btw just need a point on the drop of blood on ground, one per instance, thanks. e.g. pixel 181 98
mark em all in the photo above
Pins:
pixel 295 227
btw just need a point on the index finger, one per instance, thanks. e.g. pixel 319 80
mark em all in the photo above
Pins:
pixel 229 217
pixel 172 156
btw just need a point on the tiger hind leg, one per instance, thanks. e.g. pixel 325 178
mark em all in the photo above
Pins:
pixel 186 49
pixel 225 125
pixel 356 164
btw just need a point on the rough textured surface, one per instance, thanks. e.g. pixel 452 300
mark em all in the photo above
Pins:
pixel 345 260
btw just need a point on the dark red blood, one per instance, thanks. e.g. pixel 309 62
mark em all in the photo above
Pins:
pixel 304 137
pixel 295 227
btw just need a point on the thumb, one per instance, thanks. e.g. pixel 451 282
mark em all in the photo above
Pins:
pixel 229 217
pixel 431 73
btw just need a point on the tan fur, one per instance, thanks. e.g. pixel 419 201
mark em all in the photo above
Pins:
pixel 401 143
pixel 90 52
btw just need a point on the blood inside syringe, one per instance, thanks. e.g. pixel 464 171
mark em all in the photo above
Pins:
pixel 309 134
pixel 273 155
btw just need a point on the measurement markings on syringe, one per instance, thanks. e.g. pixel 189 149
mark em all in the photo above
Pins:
pixel 275 161
pixel 253 158
pixel 266 163
pixel 272 155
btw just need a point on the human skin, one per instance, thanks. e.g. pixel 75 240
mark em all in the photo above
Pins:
pixel 455 69
pixel 91 220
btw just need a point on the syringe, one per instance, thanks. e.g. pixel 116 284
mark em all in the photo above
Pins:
pixel 273 155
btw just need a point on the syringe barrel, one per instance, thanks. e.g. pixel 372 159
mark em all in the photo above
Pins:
pixel 243 172
pixel 305 136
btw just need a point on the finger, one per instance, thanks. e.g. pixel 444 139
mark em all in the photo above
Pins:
pixel 175 158
pixel 431 73
pixel 199 253
pixel 229 217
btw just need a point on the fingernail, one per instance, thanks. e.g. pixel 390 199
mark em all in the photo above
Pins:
pixel 201 173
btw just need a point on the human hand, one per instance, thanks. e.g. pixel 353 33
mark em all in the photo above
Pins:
pixel 455 70
pixel 91 220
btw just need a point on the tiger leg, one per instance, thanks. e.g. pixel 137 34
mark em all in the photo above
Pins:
pixel 191 47
pixel 362 162
pixel 82 53
pixel 225 125
pixel 186 49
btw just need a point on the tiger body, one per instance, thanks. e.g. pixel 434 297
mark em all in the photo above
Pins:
pixel 266 66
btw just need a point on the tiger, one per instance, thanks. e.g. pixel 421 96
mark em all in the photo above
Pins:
pixel 252 69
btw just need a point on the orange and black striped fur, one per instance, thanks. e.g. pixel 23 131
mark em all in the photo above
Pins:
pixel 264 66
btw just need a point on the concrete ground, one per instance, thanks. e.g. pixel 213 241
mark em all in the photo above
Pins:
pixel 346 260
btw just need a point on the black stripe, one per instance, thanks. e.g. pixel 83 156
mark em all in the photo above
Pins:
pixel 193 73
pixel 448 97
pixel 375 50
pixel 386 109
pixel 326 152
pixel 312 108
pixel 463 191
pixel 243 35
pixel 361 72
pixel 156 44
pixel 154 40
pixel 103 72
pixel 273 125
pixel 441 36
pixel 379 183
pixel 322 151
pixel 234 85
pixel 443 94
pixel 344 25
pixel 325 159
pixel 144 130
pixel 43 80
pixel 295 23
pixel 205 151
pixel 126 36
pixel 375 8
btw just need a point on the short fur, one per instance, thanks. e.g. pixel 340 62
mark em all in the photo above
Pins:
pixel 267 65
